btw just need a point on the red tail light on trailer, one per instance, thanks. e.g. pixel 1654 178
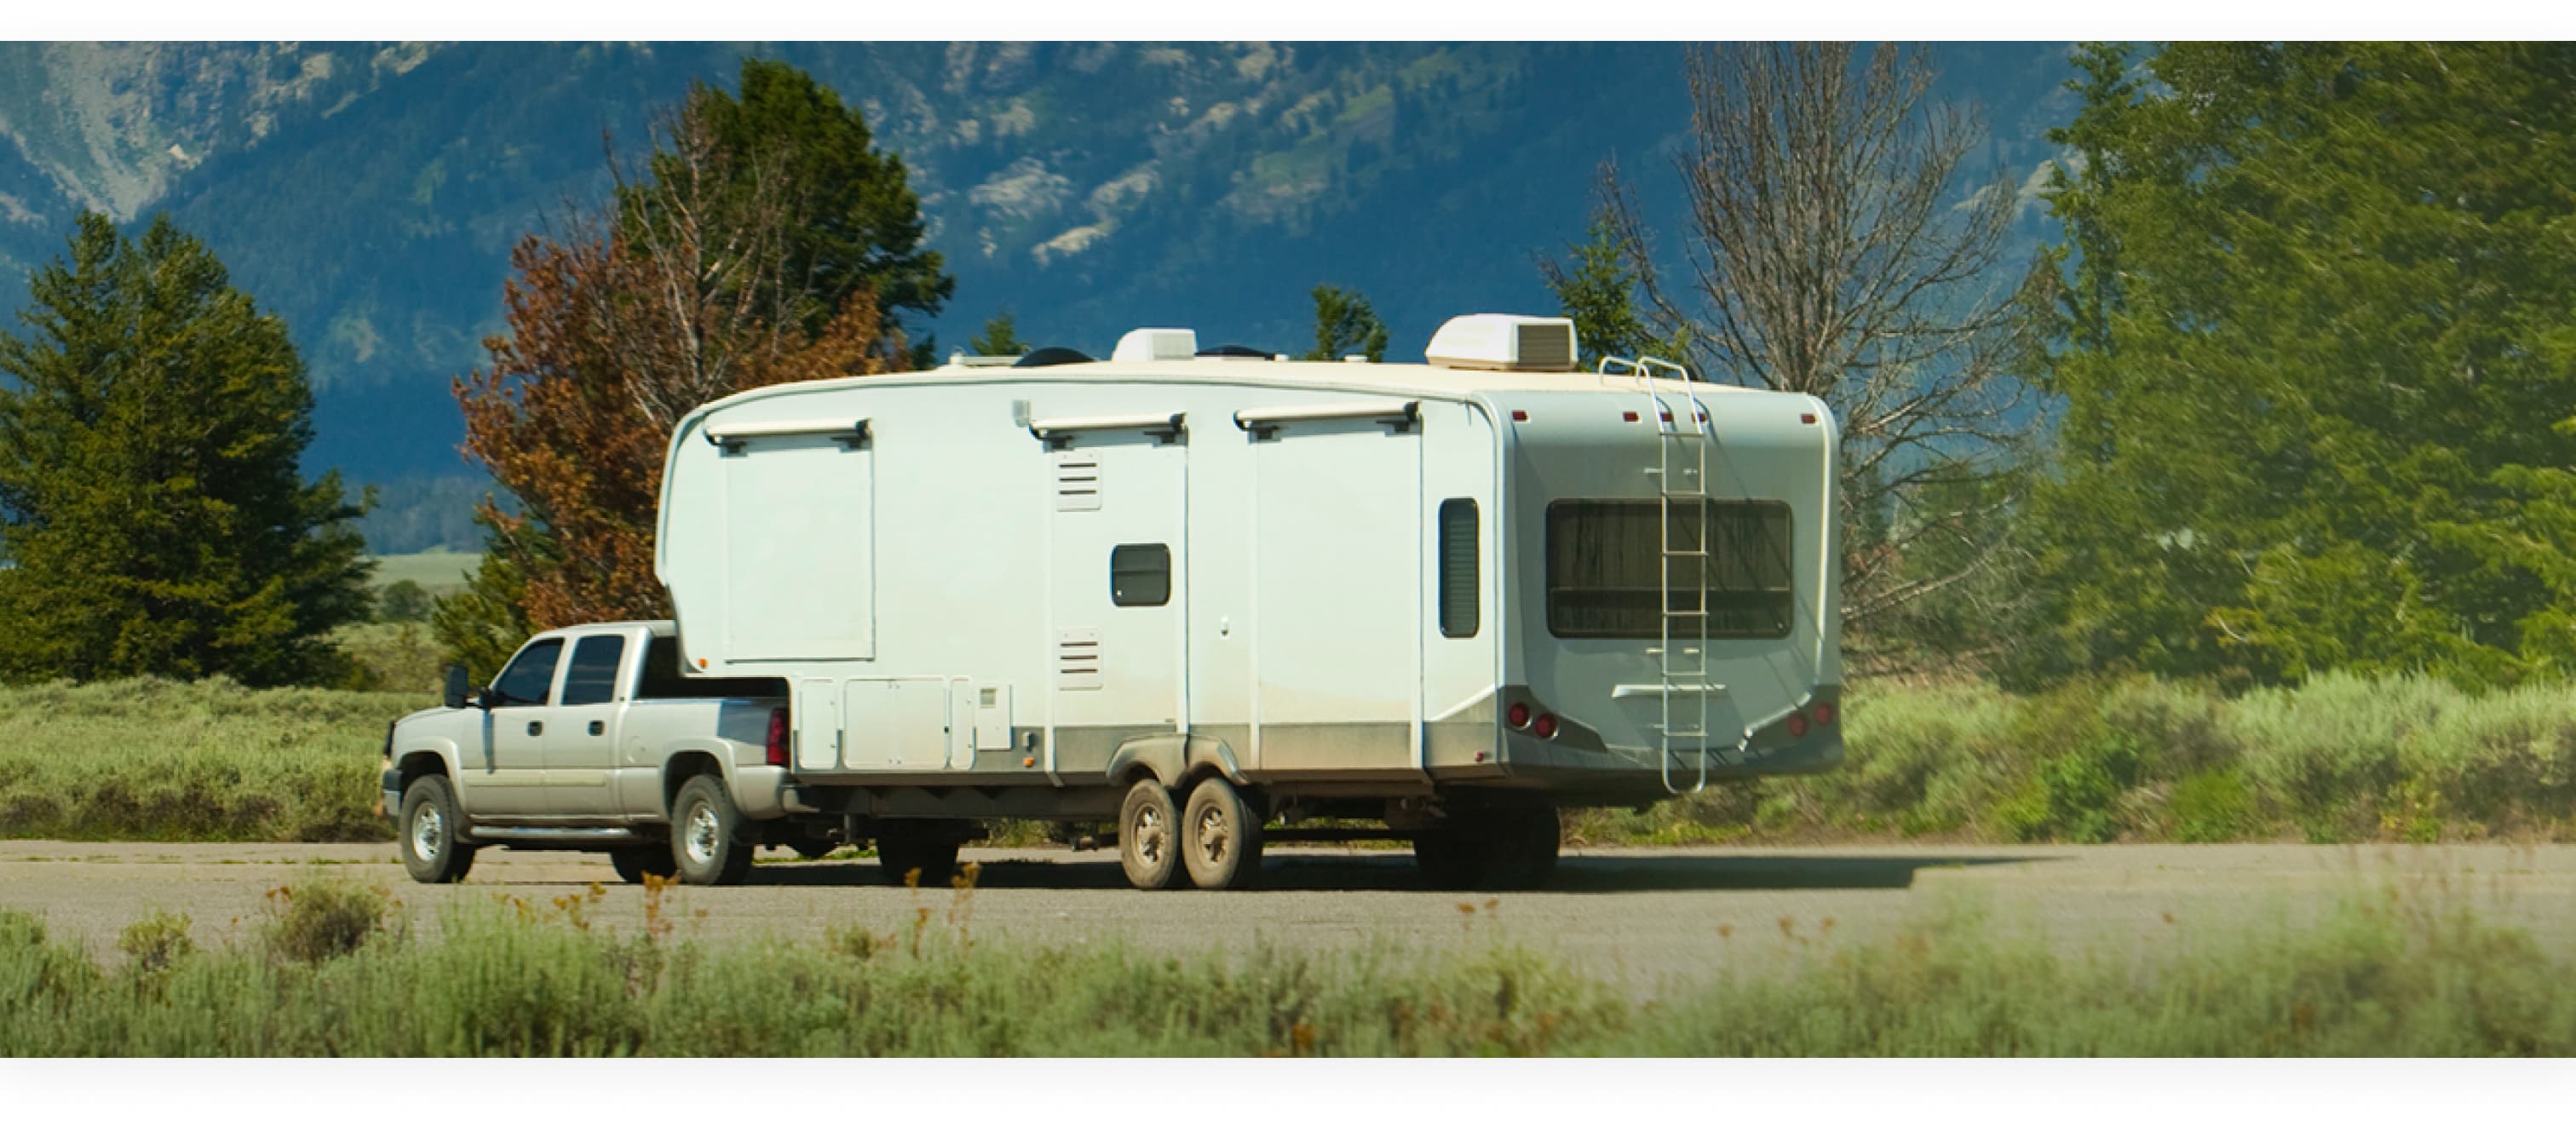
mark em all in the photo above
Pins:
pixel 1823 713
pixel 1518 715
pixel 1544 726
pixel 777 736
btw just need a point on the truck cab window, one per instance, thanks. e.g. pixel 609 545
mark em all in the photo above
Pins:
pixel 1140 574
pixel 530 679
pixel 592 676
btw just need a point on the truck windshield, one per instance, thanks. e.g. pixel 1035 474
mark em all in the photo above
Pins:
pixel 662 679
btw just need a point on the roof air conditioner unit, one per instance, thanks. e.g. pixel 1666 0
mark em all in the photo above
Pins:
pixel 1502 342
pixel 1156 344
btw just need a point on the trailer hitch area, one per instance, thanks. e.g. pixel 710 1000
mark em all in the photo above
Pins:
pixel 1408 814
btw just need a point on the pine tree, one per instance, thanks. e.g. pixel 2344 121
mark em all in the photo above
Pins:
pixel 156 519
pixel 1344 325
pixel 854 223
pixel 2315 344
pixel 1001 337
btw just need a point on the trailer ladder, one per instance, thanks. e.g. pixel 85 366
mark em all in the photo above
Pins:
pixel 1683 434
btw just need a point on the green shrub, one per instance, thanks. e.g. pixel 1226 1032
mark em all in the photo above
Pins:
pixel 154 942
pixel 323 919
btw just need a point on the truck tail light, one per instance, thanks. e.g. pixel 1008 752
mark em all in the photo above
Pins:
pixel 777 736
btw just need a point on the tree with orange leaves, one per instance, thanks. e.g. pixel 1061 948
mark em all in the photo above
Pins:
pixel 684 289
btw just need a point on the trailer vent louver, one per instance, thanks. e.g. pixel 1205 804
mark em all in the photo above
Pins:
pixel 1077 482
pixel 1077 659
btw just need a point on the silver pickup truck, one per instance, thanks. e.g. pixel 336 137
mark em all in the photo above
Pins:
pixel 592 740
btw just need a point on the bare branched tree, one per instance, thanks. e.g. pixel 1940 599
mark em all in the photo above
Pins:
pixel 1836 248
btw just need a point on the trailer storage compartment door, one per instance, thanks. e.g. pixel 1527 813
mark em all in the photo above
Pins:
pixel 1337 582
pixel 1117 565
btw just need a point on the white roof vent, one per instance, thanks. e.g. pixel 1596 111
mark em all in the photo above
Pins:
pixel 1156 344
pixel 1502 342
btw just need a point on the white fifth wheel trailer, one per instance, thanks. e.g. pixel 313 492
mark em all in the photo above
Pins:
pixel 1205 593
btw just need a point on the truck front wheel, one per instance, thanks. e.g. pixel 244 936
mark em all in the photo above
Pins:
pixel 433 832
pixel 705 834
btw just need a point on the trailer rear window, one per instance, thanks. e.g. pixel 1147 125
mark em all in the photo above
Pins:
pixel 1605 568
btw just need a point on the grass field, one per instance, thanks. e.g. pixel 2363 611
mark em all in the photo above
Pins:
pixel 2342 759
pixel 333 970
pixel 438 572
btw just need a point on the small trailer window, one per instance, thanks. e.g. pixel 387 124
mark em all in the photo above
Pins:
pixel 1458 567
pixel 592 676
pixel 1140 574
pixel 1605 568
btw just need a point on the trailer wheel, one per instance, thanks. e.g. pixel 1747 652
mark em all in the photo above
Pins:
pixel 635 862
pixel 705 832
pixel 1524 844
pixel 433 832
pixel 1220 837
pixel 927 847
pixel 1149 845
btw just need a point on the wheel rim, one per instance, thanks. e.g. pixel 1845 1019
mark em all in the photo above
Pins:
pixel 702 836
pixel 1213 835
pixel 1151 834
pixel 428 829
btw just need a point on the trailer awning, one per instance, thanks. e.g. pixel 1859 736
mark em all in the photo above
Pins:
pixel 731 435
pixel 1166 425
pixel 1260 421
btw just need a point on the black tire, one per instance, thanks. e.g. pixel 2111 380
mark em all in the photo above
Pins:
pixel 927 847
pixel 1220 837
pixel 706 834
pixel 1524 845
pixel 635 862
pixel 1450 859
pixel 432 832
pixel 1148 836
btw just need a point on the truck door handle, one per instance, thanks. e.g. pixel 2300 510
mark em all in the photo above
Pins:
pixel 536 727
pixel 599 727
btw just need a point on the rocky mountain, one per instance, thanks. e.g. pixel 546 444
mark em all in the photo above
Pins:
pixel 369 193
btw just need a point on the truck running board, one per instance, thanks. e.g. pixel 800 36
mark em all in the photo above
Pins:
pixel 549 835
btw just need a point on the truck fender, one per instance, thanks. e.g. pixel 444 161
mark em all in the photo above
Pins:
pixel 1173 758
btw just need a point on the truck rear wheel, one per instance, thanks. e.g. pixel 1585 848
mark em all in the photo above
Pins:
pixel 1149 846
pixel 639 861
pixel 433 833
pixel 1450 859
pixel 1220 837
pixel 705 834
pixel 927 847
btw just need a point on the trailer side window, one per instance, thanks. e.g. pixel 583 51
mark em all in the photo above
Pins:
pixel 1458 584
pixel 1140 574
pixel 1606 562
pixel 592 676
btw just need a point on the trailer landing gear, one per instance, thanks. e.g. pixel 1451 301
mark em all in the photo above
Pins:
pixel 1506 849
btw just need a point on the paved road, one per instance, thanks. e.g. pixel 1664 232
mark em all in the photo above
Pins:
pixel 1643 917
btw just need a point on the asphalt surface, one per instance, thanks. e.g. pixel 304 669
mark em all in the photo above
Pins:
pixel 1649 918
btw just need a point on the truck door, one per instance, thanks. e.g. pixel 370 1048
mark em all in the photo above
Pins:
pixel 508 778
pixel 1117 580
pixel 581 736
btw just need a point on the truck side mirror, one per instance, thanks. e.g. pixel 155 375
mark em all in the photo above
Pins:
pixel 456 686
